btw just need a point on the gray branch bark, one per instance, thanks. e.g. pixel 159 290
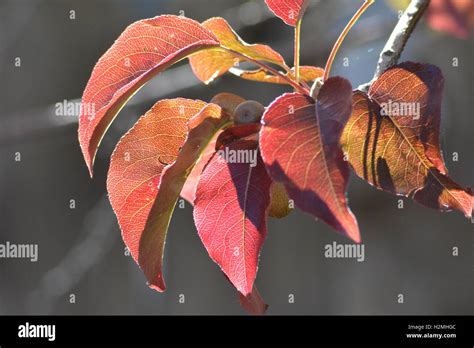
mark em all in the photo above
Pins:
pixel 396 42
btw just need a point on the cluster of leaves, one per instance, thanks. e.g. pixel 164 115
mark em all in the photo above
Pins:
pixel 306 142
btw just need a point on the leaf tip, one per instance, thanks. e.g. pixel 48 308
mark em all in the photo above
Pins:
pixel 159 286
pixel 90 168
pixel 352 229
pixel 470 209
pixel 155 281
pixel 356 237
pixel 88 159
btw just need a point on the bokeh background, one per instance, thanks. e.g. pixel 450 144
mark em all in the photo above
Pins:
pixel 408 251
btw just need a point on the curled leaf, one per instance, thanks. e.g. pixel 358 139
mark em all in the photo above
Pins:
pixel 143 50
pixel 230 211
pixel 299 142
pixel 189 188
pixel 290 11
pixel 147 172
pixel 307 74
pixel 392 138
pixel 208 65
pixel 228 102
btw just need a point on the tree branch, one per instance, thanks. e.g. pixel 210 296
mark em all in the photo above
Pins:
pixel 396 42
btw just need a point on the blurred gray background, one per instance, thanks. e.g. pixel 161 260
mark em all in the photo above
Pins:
pixel 408 251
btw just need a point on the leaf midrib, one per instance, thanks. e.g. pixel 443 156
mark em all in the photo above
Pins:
pixel 428 168
pixel 244 218
pixel 325 162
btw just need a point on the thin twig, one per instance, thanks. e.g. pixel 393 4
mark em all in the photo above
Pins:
pixel 396 42
pixel 296 54
pixel 343 35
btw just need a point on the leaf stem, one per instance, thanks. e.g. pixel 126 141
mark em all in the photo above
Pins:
pixel 297 50
pixel 343 35
pixel 269 69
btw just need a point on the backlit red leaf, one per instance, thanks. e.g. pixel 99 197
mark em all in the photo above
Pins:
pixel 143 50
pixel 147 172
pixel 228 102
pixel 279 201
pixel 399 152
pixel 299 142
pixel 189 189
pixel 208 65
pixel 290 11
pixel 230 212
pixel 307 74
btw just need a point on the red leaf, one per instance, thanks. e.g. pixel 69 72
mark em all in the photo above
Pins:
pixel 209 65
pixel 454 17
pixel 290 11
pixel 400 153
pixel 230 213
pixel 147 172
pixel 228 102
pixel 279 201
pixel 189 189
pixel 144 49
pixel 299 142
